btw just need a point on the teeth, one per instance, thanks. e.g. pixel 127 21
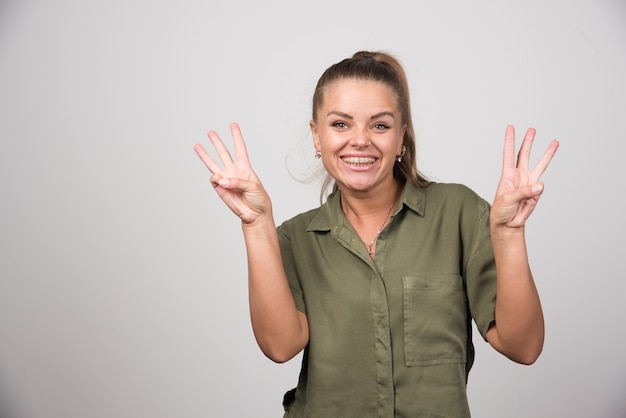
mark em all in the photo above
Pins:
pixel 359 160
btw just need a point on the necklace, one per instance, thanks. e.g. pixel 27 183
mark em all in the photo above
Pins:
pixel 370 246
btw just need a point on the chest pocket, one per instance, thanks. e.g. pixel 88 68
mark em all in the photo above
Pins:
pixel 435 320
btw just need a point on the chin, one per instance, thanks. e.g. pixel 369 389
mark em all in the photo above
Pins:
pixel 355 186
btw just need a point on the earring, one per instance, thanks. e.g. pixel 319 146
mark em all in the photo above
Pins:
pixel 402 152
pixel 318 155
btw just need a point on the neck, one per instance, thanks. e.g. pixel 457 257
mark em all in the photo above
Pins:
pixel 369 213
pixel 364 206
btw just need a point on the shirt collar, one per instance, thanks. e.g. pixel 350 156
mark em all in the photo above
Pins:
pixel 331 215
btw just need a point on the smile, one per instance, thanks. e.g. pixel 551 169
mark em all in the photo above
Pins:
pixel 362 161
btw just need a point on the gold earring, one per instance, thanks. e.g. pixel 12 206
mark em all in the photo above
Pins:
pixel 402 152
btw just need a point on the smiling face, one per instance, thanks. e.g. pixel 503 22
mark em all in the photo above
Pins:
pixel 359 130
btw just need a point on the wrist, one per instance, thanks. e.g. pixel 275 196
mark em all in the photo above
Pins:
pixel 507 233
pixel 260 225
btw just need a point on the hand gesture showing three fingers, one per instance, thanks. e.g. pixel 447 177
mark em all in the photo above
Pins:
pixel 517 194
pixel 519 188
pixel 236 183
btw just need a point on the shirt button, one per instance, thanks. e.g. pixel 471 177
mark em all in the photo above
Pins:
pixel 382 235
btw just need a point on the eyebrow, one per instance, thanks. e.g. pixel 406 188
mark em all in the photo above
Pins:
pixel 347 116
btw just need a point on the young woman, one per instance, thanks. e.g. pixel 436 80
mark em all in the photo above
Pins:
pixel 379 284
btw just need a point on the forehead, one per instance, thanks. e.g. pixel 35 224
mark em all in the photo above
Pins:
pixel 353 86
pixel 348 91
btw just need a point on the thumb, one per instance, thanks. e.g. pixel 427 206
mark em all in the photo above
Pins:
pixel 535 189
pixel 524 193
pixel 237 184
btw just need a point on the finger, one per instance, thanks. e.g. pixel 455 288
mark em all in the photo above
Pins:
pixel 233 191
pixel 524 193
pixel 514 207
pixel 206 159
pixel 220 148
pixel 526 209
pixel 545 160
pixel 233 202
pixel 240 146
pixel 508 158
pixel 523 157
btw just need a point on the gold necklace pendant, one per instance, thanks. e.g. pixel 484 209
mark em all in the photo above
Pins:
pixel 370 251
pixel 370 247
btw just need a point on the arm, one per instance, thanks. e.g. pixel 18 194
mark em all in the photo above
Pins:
pixel 518 331
pixel 280 329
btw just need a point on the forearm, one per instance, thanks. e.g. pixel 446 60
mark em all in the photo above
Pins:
pixel 280 330
pixel 519 328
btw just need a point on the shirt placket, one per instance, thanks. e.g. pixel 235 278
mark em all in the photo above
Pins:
pixel 381 319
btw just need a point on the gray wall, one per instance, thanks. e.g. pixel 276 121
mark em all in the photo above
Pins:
pixel 122 276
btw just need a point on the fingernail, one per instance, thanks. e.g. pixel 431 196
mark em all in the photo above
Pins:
pixel 537 188
pixel 223 182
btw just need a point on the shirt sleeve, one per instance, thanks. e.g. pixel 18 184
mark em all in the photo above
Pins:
pixel 480 271
pixel 286 251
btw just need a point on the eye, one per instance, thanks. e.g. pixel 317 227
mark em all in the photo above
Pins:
pixel 340 125
pixel 381 127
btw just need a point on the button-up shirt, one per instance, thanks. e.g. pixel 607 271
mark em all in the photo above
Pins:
pixel 391 337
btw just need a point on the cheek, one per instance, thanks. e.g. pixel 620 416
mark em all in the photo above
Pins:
pixel 329 140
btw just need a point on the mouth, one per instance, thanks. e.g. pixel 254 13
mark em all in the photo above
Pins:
pixel 359 161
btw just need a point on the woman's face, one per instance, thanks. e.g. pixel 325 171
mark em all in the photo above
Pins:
pixel 359 133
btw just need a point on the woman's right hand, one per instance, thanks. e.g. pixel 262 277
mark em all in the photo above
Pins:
pixel 236 184
pixel 279 328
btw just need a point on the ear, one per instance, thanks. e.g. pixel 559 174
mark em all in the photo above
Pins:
pixel 316 140
pixel 402 133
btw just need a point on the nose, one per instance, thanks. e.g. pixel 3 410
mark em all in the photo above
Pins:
pixel 362 139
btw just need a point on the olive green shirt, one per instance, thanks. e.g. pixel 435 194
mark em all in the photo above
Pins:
pixel 391 337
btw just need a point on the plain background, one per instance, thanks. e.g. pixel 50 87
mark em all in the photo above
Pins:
pixel 122 276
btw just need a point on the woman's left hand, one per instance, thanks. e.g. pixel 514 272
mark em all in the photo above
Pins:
pixel 519 188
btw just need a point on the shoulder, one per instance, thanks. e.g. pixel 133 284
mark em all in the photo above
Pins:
pixel 299 222
pixel 450 190
pixel 454 197
pixel 318 219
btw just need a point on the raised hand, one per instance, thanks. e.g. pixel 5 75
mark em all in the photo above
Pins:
pixel 519 188
pixel 236 183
